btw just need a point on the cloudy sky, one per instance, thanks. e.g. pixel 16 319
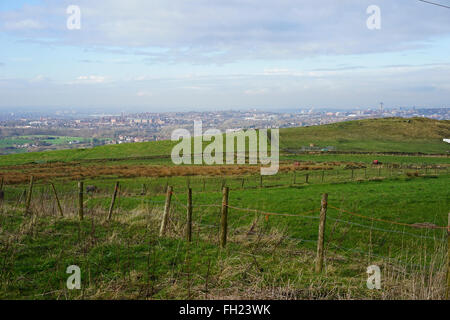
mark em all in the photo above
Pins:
pixel 220 54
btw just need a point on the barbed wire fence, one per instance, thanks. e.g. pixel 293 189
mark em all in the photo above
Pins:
pixel 209 219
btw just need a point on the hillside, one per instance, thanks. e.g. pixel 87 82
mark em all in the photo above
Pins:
pixel 416 135
pixel 374 135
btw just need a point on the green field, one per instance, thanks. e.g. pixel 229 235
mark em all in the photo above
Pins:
pixel 127 252
pixel 12 145
pixel 392 215
pixel 375 135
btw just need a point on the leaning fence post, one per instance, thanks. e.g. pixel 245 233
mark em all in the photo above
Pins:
pixel 113 200
pixel 447 289
pixel 189 216
pixel 224 218
pixel 28 201
pixel 2 193
pixel 165 219
pixel 223 184
pixel 80 200
pixel 321 238
pixel 57 199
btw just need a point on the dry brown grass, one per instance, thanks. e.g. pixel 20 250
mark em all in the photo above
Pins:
pixel 21 174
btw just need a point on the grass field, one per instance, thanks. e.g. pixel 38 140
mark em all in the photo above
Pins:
pixel 125 258
pixel 375 135
pixel 11 145
pixel 392 215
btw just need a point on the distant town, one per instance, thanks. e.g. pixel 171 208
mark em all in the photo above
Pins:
pixel 26 132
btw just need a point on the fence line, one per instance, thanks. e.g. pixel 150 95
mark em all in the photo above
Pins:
pixel 275 213
pixel 384 230
pixel 226 205
pixel 391 222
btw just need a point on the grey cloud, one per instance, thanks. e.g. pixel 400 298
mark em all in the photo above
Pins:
pixel 223 31
pixel 346 68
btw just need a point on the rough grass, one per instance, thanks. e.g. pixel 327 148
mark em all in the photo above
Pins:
pixel 126 259
pixel 375 135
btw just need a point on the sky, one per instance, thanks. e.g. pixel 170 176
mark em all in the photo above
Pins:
pixel 183 55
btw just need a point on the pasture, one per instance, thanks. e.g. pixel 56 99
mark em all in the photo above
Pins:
pixel 272 237
pixel 393 215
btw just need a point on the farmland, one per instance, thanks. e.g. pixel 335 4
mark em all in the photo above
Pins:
pixel 393 215
pixel 20 144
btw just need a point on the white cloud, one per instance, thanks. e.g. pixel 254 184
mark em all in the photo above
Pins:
pixel 90 79
pixel 25 24
pixel 144 94
pixel 39 78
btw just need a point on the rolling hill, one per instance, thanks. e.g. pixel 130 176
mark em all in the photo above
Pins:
pixel 416 135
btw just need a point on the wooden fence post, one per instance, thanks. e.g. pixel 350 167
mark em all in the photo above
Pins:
pixel 2 193
pixel 260 181
pixel 223 184
pixel 321 238
pixel 323 175
pixel 224 218
pixel 57 200
pixel 80 200
pixel 189 216
pixel 113 200
pixel 204 185
pixel 307 178
pixel 28 201
pixel 447 289
pixel 165 219
pixel 242 183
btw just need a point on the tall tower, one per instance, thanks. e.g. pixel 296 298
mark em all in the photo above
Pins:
pixel 381 107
